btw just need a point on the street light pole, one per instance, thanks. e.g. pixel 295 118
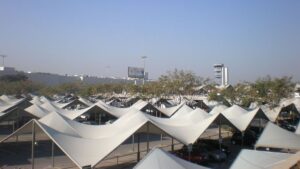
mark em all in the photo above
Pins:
pixel 3 56
pixel 144 62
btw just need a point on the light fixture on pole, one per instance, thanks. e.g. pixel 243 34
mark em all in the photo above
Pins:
pixel 144 62
pixel 3 56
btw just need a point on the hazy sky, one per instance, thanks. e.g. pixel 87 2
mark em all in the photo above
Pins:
pixel 253 38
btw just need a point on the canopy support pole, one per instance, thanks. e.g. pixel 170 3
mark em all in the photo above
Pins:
pixel 220 135
pixel 138 147
pixel 148 137
pixel 133 142
pixel 243 138
pixel 172 146
pixel 18 120
pixel 32 145
pixel 99 118
pixel 52 154
pixel 13 125
pixel 190 149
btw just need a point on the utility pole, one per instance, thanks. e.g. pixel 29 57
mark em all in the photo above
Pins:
pixel 144 62
pixel 3 57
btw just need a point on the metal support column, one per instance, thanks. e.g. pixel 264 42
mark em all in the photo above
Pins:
pixel 33 145
pixel 18 123
pixel 172 146
pixel 243 138
pixel 52 154
pixel 148 138
pixel 133 142
pixel 220 135
pixel 190 149
pixel 138 148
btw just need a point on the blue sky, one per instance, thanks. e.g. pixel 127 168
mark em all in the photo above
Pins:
pixel 96 37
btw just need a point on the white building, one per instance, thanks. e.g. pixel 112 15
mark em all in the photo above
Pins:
pixel 221 74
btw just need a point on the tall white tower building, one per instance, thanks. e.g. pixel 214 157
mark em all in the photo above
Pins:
pixel 221 74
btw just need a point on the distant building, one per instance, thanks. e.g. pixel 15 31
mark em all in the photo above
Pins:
pixel 7 71
pixel 56 79
pixel 221 75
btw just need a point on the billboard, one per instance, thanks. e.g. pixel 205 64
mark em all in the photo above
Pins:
pixel 136 72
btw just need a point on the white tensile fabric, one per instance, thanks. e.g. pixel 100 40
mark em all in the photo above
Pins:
pixel 87 144
pixel 218 109
pixel 271 113
pixel 37 111
pixel 298 129
pixel 251 159
pixel 85 101
pixel 36 100
pixel 80 99
pixel 160 159
pixel 184 110
pixel 48 106
pixel 170 110
pixel 186 129
pixel 240 117
pixel 289 163
pixel 275 137
pixel 295 101
pixel 8 102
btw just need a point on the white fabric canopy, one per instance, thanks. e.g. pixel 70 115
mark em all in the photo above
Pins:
pixel 298 129
pixel 240 117
pixel 87 144
pixel 37 111
pixel 251 159
pixel 274 136
pixel 160 159
pixel 295 101
pixel 186 129
pixel 8 102
pixel 271 113
pixel 170 110
pixel 184 110
pixel 36 100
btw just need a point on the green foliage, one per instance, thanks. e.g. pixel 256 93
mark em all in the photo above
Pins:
pixel 270 90
pixel 264 90
pixel 179 82
pixel 13 78
pixel 18 87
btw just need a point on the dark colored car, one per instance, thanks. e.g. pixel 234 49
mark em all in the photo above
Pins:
pixel 287 125
pixel 196 156
pixel 249 138
pixel 206 150
pixel 257 130
pixel 214 144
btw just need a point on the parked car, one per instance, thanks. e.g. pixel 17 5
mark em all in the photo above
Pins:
pixel 287 125
pixel 90 122
pixel 204 151
pixel 196 156
pixel 249 138
pixel 257 130
pixel 217 155
pixel 214 144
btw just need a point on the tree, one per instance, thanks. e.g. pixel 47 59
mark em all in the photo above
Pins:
pixel 14 78
pixel 179 82
pixel 271 91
